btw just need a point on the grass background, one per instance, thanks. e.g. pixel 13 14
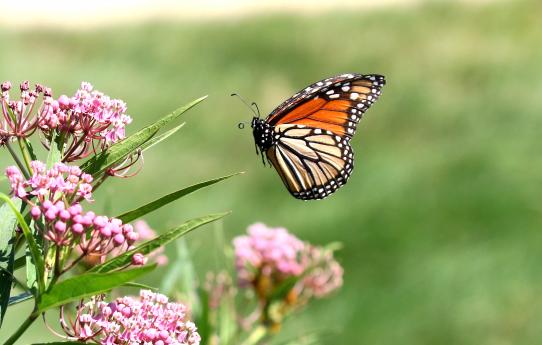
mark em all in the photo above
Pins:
pixel 441 220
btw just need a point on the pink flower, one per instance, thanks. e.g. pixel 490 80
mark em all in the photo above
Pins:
pixel 266 257
pixel 150 319
pixel 324 276
pixel 59 182
pixel 272 252
pixel 90 121
pixel 20 118
pixel 55 197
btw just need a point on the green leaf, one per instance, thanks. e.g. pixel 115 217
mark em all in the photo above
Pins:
pixel 8 222
pixel 147 145
pixel 166 199
pixel 140 286
pixel 30 149
pixel 19 263
pixel 32 272
pixel 147 247
pixel 55 151
pixel 88 284
pixel 122 149
pixel 31 242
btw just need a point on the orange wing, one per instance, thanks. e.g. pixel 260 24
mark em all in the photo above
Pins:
pixel 335 104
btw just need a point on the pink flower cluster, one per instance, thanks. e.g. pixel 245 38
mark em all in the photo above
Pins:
pixel 62 181
pixel 18 118
pixel 325 276
pixel 88 121
pixel 268 256
pixel 151 319
pixel 91 119
pixel 54 196
pixel 269 251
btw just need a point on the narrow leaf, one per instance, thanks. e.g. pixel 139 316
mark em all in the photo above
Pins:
pixel 32 281
pixel 30 149
pixel 122 149
pixel 19 263
pixel 31 242
pixel 8 221
pixel 140 286
pixel 147 247
pixel 157 139
pixel 88 284
pixel 166 199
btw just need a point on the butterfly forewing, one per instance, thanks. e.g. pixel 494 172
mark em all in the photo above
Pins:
pixel 335 104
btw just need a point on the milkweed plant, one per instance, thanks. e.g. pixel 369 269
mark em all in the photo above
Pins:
pixel 74 260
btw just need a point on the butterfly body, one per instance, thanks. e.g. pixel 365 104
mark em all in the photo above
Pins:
pixel 307 137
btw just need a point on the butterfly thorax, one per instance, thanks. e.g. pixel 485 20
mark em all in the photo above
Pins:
pixel 263 134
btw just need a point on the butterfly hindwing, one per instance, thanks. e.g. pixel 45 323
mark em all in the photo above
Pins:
pixel 311 162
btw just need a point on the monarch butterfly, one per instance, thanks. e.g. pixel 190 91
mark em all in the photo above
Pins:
pixel 307 137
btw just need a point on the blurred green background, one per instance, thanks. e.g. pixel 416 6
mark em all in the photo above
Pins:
pixel 441 220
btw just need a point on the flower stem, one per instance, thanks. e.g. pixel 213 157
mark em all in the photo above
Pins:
pixel 255 336
pixel 26 154
pixel 17 161
pixel 22 328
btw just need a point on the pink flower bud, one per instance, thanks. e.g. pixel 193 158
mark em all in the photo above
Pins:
pixel 64 215
pixel 60 226
pixel 138 259
pixel 115 229
pixel 51 213
pixel 77 228
pixel 127 228
pixel 118 240
pixel 75 209
pixel 131 237
pixel 60 205
pixel 47 204
pixel 35 212
pixel 100 221
pixel 105 231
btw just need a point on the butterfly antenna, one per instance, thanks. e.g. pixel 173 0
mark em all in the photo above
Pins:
pixel 257 109
pixel 246 103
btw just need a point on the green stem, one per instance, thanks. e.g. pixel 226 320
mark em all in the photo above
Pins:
pixel 22 328
pixel 18 161
pixel 255 336
pixel 26 154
